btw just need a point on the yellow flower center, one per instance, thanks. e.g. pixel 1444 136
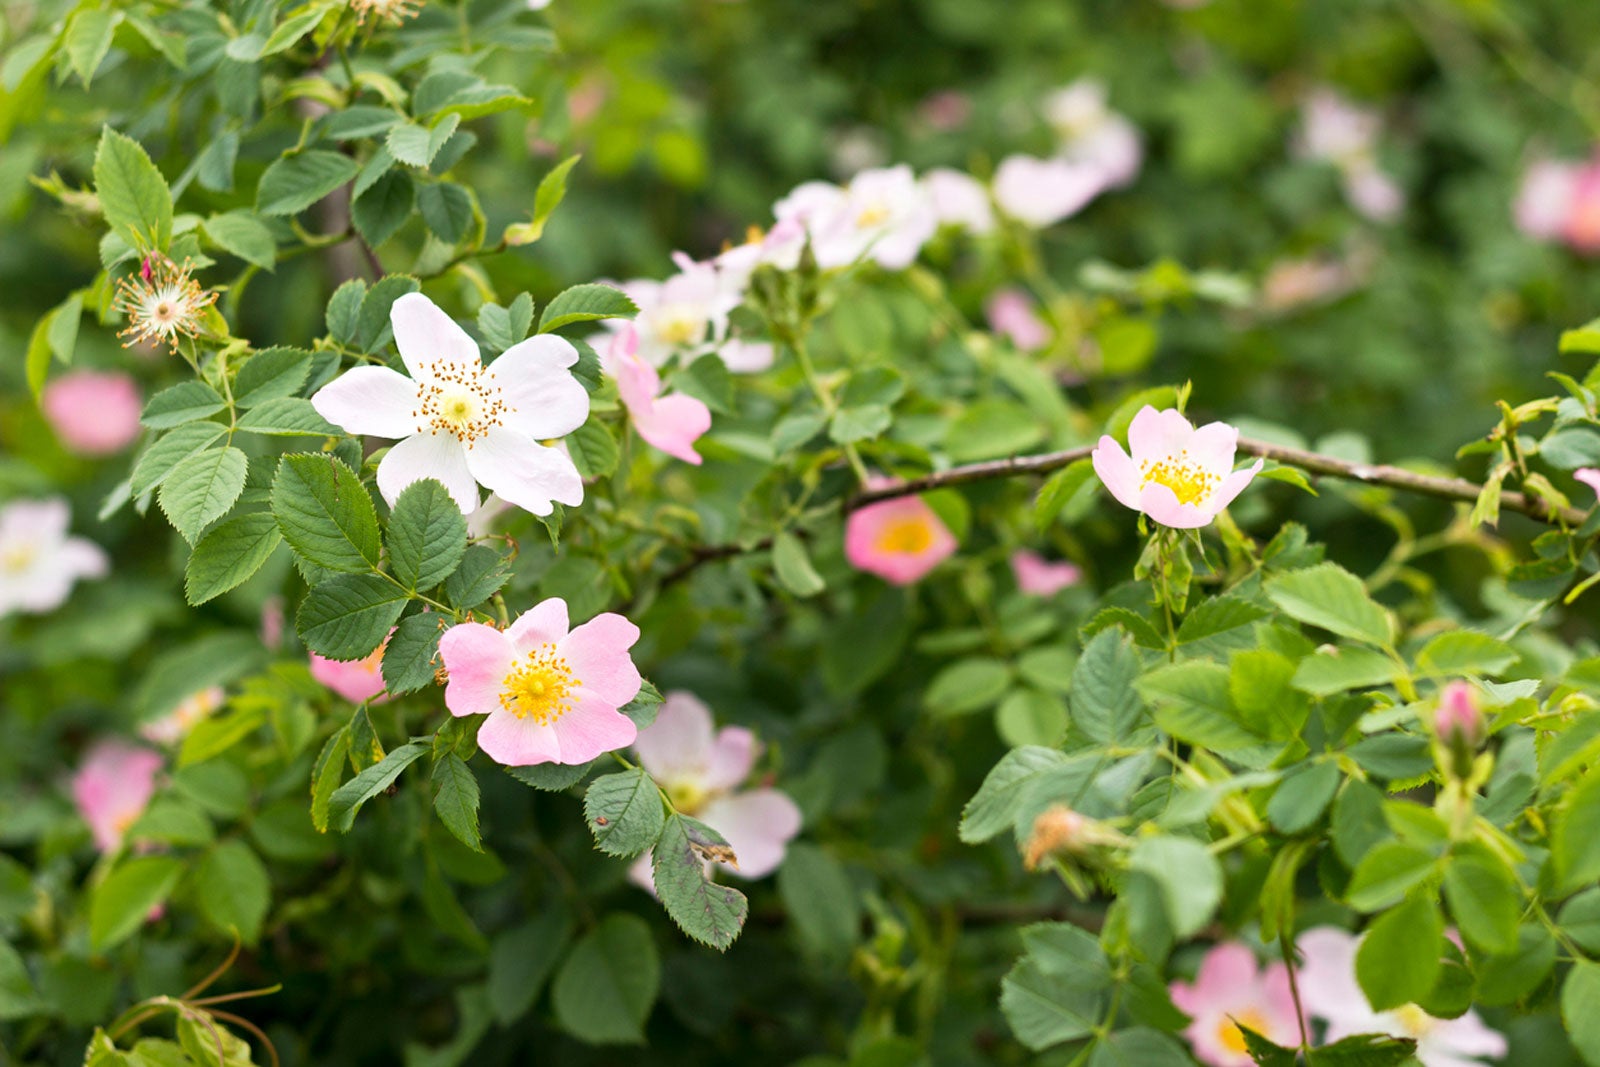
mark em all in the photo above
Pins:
pixel 462 401
pixel 909 536
pixel 1188 482
pixel 873 215
pixel 1231 1037
pixel 539 687
pixel 162 306
pixel 680 328
pixel 14 559
pixel 687 797
pixel 1414 1021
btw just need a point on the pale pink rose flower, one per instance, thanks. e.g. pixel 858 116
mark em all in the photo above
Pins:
pixel 112 787
pixel 1042 192
pixel 1329 991
pixel 883 213
pixel 1230 990
pixel 551 696
pixel 671 423
pixel 175 725
pixel 93 413
pixel 39 563
pixel 461 422
pixel 1178 475
pixel 1093 135
pixel 1544 200
pixel 355 680
pixel 701 771
pixel 1582 230
pixel 1335 130
pixel 1373 193
pixel 1037 576
pixel 899 540
pixel 480 523
pixel 779 246
pixel 679 316
pixel 959 200
pixel 1292 283
pixel 1589 476
pixel 945 110
pixel 746 357
pixel 1012 312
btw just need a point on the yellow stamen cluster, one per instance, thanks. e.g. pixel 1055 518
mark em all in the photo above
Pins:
pixel 680 328
pixel 162 303
pixel 687 797
pixel 459 399
pixel 1231 1037
pixel 1414 1021
pixel 1188 482
pixel 14 559
pixel 393 12
pixel 539 687
pixel 907 535
pixel 873 215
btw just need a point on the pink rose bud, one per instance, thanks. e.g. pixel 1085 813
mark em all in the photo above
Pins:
pixel 92 414
pixel 1458 720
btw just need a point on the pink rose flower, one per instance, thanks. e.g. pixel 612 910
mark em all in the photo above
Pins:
pixel 39 563
pixel 1329 991
pixel 899 540
pixel 1230 991
pixel 1179 476
pixel 93 413
pixel 1094 135
pixel 1589 476
pixel 176 724
pixel 1042 192
pixel 112 787
pixel 945 110
pixel 1583 222
pixel 550 696
pixel 1012 312
pixel 701 772
pixel 1038 577
pixel 959 200
pixel 1545 198
pixel 670 423
pixel 354 680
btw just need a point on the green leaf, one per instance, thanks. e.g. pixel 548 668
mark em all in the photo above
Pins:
pixel 202 488
pixel 481 574
pixel 325 512
pixel 427 535
pixel 349 615
pixel 1188 876
pixel 1047 1009
pixel 36 362
pixel 504 327
pixel 1580 992
pixel 63 331
pixel 373 327
pixel 120 905
pixel 289 416
pixel 522 959
pixel 229 554
pixel 299 23
pixel 447 210
pixel 552 190
pixel 18 998
pixel 863 423
pixel 326 775
pixel 551 777
pixel 1466 652
pixel 184 402
pixel 1388 873
pixel 1139 1047
pixel 1330 597
pixel 709 913
pixel 1217 615
pixel 1398 960
pixel 1303 796
pixel 605 988
pixel 234 889
pixel 412 657
pixel 293 183
pixel 271 374
pixel 344 309
pixel 384 206
pixel 1575 838
pixel 994 807
pixel 1194 704
pixel 624 812
pixel 1337 670
pixel 1484 899
pixel 792 564
pixel 348 798
pixel 586 303
pixel 1028 716
pixel 455 798
pixel 156 463
pixel 967 685
pixel 1105 705
pixel 173 821
pixel 133 195
pixel 821 902
pixel 1365 1050
pixel 88 39
pixel 243 234
pixel 708 380
pixel 593 449
pixel 417 145
pixel 1060 488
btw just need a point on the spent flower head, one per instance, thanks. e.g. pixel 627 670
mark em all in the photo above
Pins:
pixel 163 303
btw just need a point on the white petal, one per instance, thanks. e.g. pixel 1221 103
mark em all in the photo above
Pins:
pixel 521 470
pixel 429 455
pixel 543 399
pixel 429 338
pixel 370 400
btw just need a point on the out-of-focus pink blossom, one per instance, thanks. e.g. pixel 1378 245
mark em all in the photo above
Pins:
pixel 1014 313
pixel 1178 475
pixel 1544 200
pixel 551 695
pixel 175 725
pixel 93 413
pixel 1037 576
pixel 701 771
pixel 112 787
pixel 959 200
pixel 945 110
pixel 354 680
pixel 1589 476
pixel 1459 719
pixel 1230 991
pixel 1336 131
pixel 900 540
pixel 1583 225
pixel 883 213
pixel 1042 192
pixel 39 563
pixel 1093 135
pixel 272 623
pixel 671 423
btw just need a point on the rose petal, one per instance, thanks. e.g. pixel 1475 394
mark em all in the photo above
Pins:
pixel 429 340
pixel 530 475
pixel 429 455
pixel 592 727
pixel 370 400
pixel 477 658
pixel 597 652
pixel 677 746
pixel 543 624
pixel 543 399
pixel 758 825
pixel 516 742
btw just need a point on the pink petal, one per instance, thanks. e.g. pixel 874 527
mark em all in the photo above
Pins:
pixel 516 742
pixel 543 624
pixel 673 424
pixel 1327 975
pixel 592 726
pixel 871 532
pixel 477 658
pixel 677 746
pixel 758 825
pixel 429 455
pixel 79 557
pixel 532 476
pixel 733 755
pixel 1468 1036
pixel 1117 471
pixel 1154 435
pixel 1161 504
pixel 356 680
pixel 34 520
pixel 1232 486
pixel 1545 199
pixel 1227 970
pixel 370 400
pixel 597 652
pixel 1036 576
pixel 1589 476
pixel 429 340
pixel 544 399
pixel 1212 447
pixel 112 787
pixel 93 413
pixel 746 357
